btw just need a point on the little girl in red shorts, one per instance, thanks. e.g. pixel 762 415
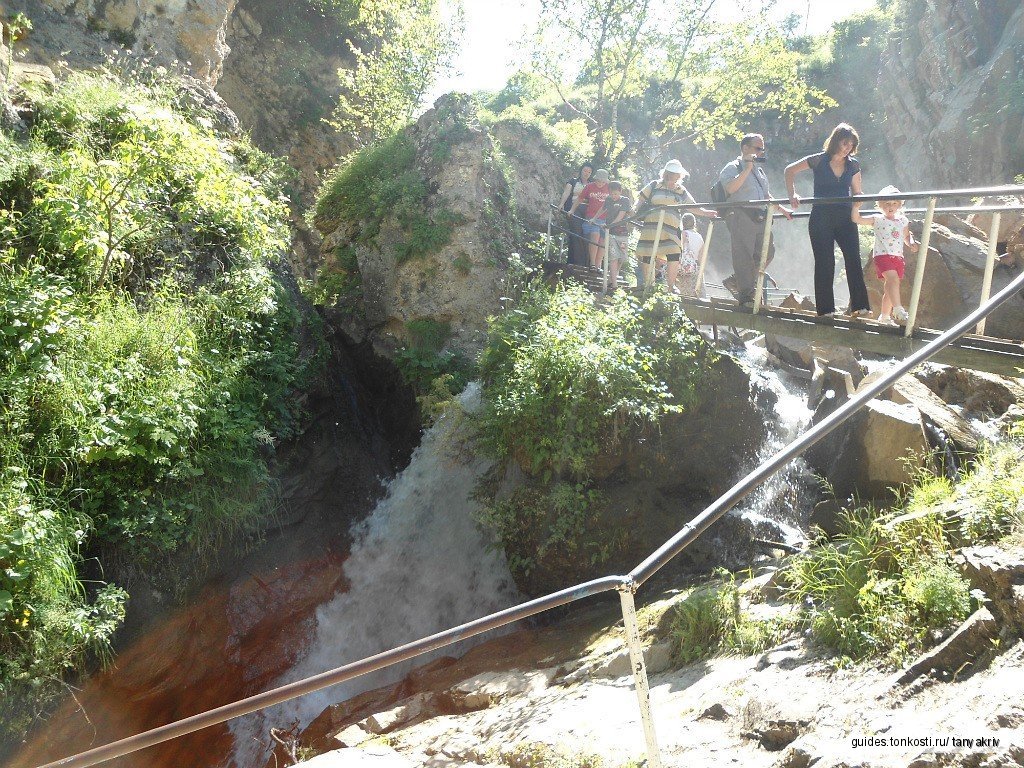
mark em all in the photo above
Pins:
pixel 892 230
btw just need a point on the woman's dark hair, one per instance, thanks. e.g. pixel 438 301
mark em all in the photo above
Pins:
pixel 840 132
pixel 579 174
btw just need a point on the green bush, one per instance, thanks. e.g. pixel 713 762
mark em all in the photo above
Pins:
pixel 710 621
pixel 147 355
pixel 881 587
pixel 534 523
pixel 380 182
pixel 565 379
pixel 568 383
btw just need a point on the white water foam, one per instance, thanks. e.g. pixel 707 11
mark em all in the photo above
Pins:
pixel 780 502
pixel 419 564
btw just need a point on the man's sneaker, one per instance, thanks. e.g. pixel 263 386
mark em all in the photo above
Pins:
pixel 862 313
pixel 901 315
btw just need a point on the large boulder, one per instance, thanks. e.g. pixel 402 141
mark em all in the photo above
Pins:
pixel 947 88
pixel 1010 222
pixel 873 453
pixel 953 281
pixel 537 174
pixel 650 488
pixel 459 284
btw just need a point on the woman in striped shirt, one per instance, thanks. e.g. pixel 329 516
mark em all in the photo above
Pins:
pixel 667 190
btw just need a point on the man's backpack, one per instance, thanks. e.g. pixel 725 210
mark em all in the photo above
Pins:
pixel 718 193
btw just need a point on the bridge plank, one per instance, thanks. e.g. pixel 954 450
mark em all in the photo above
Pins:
pixel 978 353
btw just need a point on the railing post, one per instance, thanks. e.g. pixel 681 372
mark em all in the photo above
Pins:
pixel 636 657
pixel 990 263
pixel 762 263
pixel 922 259
pixel 604 262
pixel 699 283
pixel 649 269
pixel 547 246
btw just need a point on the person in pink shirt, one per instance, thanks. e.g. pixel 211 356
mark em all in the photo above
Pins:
pixel 592 200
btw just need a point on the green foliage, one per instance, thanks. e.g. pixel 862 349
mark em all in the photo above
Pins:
pixel 565 379
pixel 749 74
pixel 147 354
pixel 568 139
pixel 887 582
pixel 880 589
pixel 667 68
pixel 539 755
pixel 556 520
pixel 49 625
pixel 711 620
pixel 412 46
pixel 383 182
pixel 121 176
pixel 567 382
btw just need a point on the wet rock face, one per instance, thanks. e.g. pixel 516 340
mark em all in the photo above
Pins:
pixel 946 85
pixel 876 450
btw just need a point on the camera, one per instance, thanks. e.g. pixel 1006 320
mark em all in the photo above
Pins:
pixel 759 159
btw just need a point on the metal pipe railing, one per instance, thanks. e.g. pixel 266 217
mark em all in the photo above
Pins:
pixel 341 674
pixel 658 559
pixel 1010 190
pixel 624 584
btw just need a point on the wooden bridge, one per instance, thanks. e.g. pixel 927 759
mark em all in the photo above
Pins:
pixel 976 351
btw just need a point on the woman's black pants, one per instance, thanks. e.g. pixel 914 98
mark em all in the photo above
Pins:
pixel 827 228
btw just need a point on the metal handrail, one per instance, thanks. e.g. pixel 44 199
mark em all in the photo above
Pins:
pixel 1011 190
pixel 626 585
pixel 341 674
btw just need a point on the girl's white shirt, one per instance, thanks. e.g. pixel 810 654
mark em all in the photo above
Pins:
pixel 889 234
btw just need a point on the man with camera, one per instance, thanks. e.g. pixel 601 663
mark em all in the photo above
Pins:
pixel 744 179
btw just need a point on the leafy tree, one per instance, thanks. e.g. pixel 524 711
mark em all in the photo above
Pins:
pixel 667 68
pixel 408 46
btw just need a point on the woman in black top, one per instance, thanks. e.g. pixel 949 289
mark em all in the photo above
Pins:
pixel 836 174
pixel 577 244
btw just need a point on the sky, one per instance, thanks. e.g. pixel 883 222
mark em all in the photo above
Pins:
pixel 494 28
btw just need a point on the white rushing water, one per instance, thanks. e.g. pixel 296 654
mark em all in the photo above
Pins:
pixel 780 502
pixel 419 564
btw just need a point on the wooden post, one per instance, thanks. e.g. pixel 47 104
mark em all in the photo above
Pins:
pixel 604 276
pixel 640 682
pixel 698 286
pixel 922 259
pixel 990 263
pixel 762 263
pixel 547 245
pixel 649 269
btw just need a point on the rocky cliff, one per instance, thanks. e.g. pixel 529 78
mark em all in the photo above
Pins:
pixel 440 255
pixel 950 87
pixel 191 32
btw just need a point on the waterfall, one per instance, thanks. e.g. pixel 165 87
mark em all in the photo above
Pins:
pixel 778 507
pixel 419 564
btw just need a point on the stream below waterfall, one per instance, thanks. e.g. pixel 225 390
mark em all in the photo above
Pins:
pixel 418 564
